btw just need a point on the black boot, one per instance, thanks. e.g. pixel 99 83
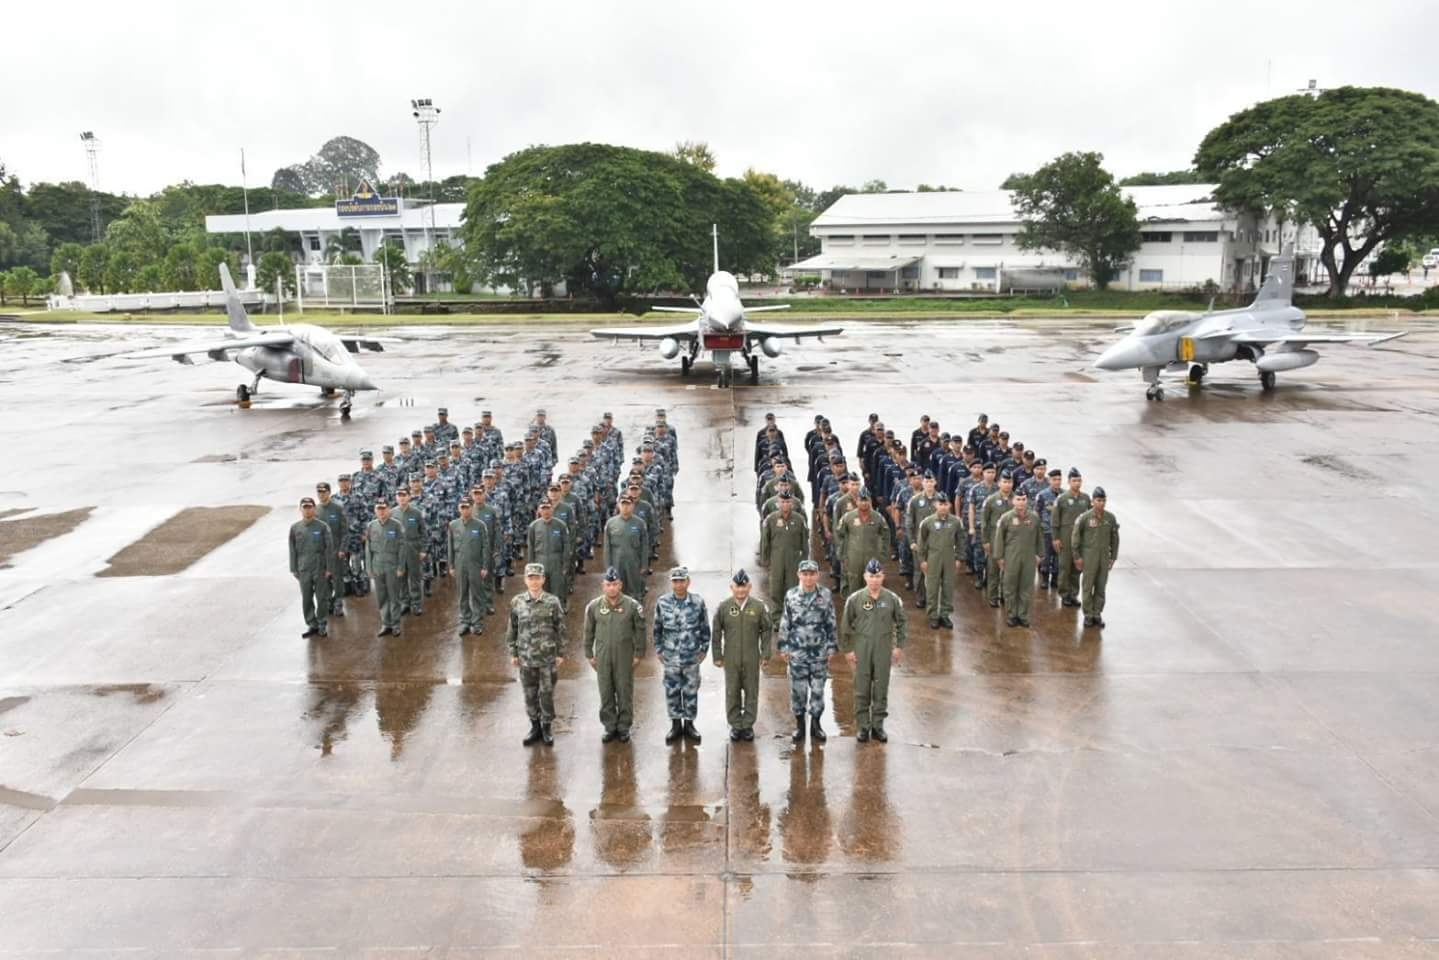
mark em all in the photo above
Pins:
pixel 863 734
pixel 676 731
pixel 879 734
pixel 816 732
pixel 546 735
pixel 533 737
pixel 691 733
pixel 798 737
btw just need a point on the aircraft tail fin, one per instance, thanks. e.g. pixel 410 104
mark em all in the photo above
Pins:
pixel 1279 285
pixel 234 309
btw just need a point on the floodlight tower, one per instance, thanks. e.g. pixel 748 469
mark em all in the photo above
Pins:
pixel 426 114
pixel 92 155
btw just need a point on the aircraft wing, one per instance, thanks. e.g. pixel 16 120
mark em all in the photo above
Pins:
pixel 692 311
pixel 377 344
pixel 777 306
pixel 215 349
pixel 1300 338
pixel 685 334
pixel 773 330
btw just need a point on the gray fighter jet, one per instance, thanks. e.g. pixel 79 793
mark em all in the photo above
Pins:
pixel 1268 333
pixel 297 353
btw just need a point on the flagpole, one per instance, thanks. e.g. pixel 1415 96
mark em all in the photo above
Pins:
pixel 245 188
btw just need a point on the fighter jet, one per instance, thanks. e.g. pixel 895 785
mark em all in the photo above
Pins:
pixel 1269 333
pixel 720 326
pixel 297 353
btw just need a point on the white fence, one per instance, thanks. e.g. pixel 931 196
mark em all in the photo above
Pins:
pixel 120 302
pixel 336 286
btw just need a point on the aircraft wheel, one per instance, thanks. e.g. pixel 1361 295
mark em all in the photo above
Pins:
pixel 1266 380
pixel 344 411
pixel 1196 374
pixel 242 393
pixel 1155 392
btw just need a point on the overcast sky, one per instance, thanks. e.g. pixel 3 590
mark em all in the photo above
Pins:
pixel 958 93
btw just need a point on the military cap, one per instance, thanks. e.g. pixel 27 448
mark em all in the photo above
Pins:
pixel 416 433
pixel 534 569
pixel 660 412
pixel 588 444
pixel 863 493
pixel 607 416
pixel 924 418
pixel 456 443
pixel 819 418
pixel 402 490
pixel 647 445
pixel 1041 462
pixel 627 500
pixel 808 566
pixel 1004 434
pixel 404 441
pixel 825 422
pixel 680 573
pixel 367 455
pixel 944 437
pixel 575 460
pixel 387 449
pixel 1074 472
pixel 769 417
pixel 911 472
pixel 1098 494
pixel 443 411
pixel 487 475
pixel 853 477
pixel 941 497
pixel 933 426
pixel 429 430
pixel 984 418
pixel 1020 493
pixel 486 413
pixel 531 433
pixel 1018 444
pixel 431 465
pixel 889 434
pixel 322 485
pixel 1006 475
pixel 466 502
pixel 564 479
pixel 540 412
pixel 442 455
pixel 636 462
pixel 417 478
pixel 469 430
pixel 344 476
pixel 874 566
pixel 1056 472
pixel 994 427
pixel 786 496
pixel 612 575
pixel 307 501
pixel 989 465
pixel 873 417
pixel 929 474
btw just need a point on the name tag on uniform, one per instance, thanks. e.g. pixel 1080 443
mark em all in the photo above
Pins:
pixel 316 534
pixel 474 533
pixel 1093 522
pixel 391 534
pixel 1014 522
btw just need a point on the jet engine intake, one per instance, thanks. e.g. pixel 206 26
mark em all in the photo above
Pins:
pixel 771 347
pixel 1286 360
pixel 669 348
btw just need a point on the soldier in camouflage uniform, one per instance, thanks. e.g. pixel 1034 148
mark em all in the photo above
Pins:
pixel 357 579
pixel 742 646
pixel 470 550
pixel 332 511
pixel 389 470
pixel 564 512
pixel 546 433
pixel 1096 545
pixel 960 502
pixel 402 461
pixel 536 641
pixel 443 429
pixel 369 484
pixel 873 635
pixel 681 641
pixel 808 637
pixel 614 646
pixel 898 505
pixel 1044 503
pixel 416 549
pixel 312 549
pixel 432 503
pixel 499 499
pixel 492 437
pixel 979 493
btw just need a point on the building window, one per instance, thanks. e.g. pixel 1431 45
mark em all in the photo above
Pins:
pixel 949 273
pixel 1156 236
pixel 1151 276
pixel 1201 236
pixel 912 239
pixel 984 273
pixel 909 273
pixel 315 243
pixel 953 239
pixel 876 239
pixel 1071 275
pixel 989 238
pixel 876 274
pixel 841 238
pixel 838 276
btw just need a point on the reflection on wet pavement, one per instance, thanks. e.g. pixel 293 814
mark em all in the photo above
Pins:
pixel 1244 763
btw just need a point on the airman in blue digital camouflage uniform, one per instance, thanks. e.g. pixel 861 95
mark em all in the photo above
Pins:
pixel 681 641
pixel 808 637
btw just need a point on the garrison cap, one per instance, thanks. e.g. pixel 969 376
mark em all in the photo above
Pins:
pixel 740 578
pixel 534 569
pixel 1098 494
pixel 344 477
pixel 612 575
pixel 808 566
pixel 874 566
pixel 1074 472
pixel 680 573
pixel 322 485
pixel 367 455
pixel 387 449
pixel 443 411
pixel 941 497
pixel 307 501
pixel 1056 472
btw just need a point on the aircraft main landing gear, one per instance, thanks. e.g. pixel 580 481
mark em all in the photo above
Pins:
pixel 754 370
pixel 242 393
pixel 1196 374
pixel 1266 380
pixel 345 403
pixel 685 364
pixel 1155 392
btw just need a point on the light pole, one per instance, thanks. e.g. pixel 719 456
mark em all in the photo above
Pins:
pixel 92 155
pixel 426 114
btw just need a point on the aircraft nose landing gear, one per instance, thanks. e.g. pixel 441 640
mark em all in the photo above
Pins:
pixel 345 404
pixel 754 370
pixel 1155 392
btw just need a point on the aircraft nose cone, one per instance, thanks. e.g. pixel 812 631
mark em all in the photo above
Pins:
pixel 1124 355
pixel 359 380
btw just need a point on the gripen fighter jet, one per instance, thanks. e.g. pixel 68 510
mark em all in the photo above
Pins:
pixel 298 353
pixel 719 326
pixel 1269 333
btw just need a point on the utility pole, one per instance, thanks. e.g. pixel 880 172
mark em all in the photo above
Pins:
pixel 426 114
pixel 92 155
pixel 245 189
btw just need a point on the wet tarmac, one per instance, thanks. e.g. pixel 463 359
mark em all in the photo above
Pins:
pixel 1245 763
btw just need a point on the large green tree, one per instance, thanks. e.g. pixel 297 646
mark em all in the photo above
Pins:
pixel 1359 163
pixel 391 255
pixel 609 220
pixel 1072 204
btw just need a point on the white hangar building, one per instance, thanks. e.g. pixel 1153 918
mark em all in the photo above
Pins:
pixel 966 241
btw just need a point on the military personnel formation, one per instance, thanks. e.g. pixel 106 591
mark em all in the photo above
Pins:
pixel 466 505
